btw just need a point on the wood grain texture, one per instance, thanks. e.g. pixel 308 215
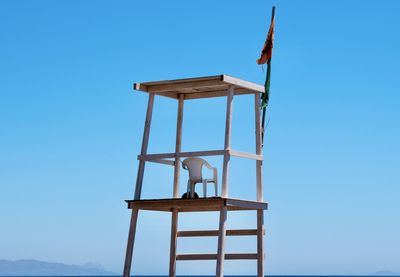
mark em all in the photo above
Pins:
pixel 214 233
pixel 195 205
pixel 260 243
pixel 259 181
pixel 145 144
pixel 221 242
pixel 178 145
pixel 149 157
pixel 130 243
pixel 173 245
pixel 227 144
pixel 228 256
pixel 202 87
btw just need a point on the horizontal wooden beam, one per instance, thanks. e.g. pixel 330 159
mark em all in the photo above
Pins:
pixel 198 257
pixel 218 93
pixel 214 233
pixel 162 156
pixel 162 161
pixel 182 86
pixel 242 83
pixel 246 155
pixel 150 157
pixel 254 205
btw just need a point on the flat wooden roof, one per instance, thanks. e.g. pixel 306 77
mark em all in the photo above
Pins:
pixel 201 87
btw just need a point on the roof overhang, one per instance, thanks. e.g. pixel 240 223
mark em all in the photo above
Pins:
pixel 202 87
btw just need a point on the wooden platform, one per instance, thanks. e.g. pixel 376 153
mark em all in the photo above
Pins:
pixel 202 87
pixel 196 205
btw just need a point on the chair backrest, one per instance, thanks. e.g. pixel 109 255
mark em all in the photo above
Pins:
pixel 194 165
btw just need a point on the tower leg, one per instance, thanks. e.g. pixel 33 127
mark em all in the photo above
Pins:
pixel 260 243
pixel 221 243
pixel 172 256
pixel 131 241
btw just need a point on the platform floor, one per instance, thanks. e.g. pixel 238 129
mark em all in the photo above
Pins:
pixel 196 205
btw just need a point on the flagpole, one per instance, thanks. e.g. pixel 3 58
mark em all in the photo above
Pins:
pixel 265 108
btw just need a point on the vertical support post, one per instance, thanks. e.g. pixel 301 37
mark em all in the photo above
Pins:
pixel 227 145
pixel 178 144
pixel 260 213
pixel 177 172
pixel 259 188
pixel 260 243
pixel 221 242
pixel 174 232
pixel 131 240
pixel 138 188
pixel 145 144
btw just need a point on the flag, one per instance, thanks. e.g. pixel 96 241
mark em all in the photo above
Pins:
pixel 266 53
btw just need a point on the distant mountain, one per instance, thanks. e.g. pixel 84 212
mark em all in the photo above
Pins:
pixel 39 268
pixel 385 273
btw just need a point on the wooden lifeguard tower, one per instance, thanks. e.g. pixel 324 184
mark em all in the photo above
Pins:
pixel 195 88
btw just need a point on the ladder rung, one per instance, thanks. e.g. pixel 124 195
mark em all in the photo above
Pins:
pixel 236 256
pixel 210 233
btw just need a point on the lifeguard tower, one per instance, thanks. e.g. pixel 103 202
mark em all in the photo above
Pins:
pixel 196 88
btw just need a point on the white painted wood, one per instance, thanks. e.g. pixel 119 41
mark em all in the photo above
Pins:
pixel 228 256
pixel 181 155
pixel 259 183
pixel 145 144
pixel 172 256
pixel 245 155
pixel 227 144
pixel 243 84
pixel 214 93
pixel 221 242
pixel 214 233
pixel 138 189
pixel 130 243
pixel 178 145
pixel 162 161
pixel 260 243
pixel 202 87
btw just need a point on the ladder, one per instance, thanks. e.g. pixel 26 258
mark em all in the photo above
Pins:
pixel 221 233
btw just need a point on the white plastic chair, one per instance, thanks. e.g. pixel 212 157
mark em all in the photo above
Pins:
pixel 195 165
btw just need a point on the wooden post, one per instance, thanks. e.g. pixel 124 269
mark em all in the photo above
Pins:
pixel 259 189
pixel 227 146
pixel 260 243
pixel 178 144
pixel 174 232
pixel 260 213
pixel 145 144
pixel 138 189
pixel 177 171
pixel 221 242
pixel 131 240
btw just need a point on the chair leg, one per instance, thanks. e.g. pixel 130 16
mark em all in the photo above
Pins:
pixel 192 187
pixel 216 189
pixel 188 193
pixel 205 188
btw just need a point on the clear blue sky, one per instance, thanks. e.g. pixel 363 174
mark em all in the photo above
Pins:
pixel 71 128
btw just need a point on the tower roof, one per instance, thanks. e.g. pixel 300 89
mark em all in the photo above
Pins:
pixel 200 87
